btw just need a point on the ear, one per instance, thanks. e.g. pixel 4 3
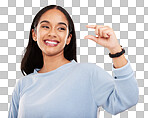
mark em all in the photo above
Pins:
pixel 34 35
pixel 69 39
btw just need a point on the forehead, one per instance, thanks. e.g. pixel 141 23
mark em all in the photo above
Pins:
pixel 54 16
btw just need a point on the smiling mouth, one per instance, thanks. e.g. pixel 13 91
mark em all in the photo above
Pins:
pixel 51 43
pixel 51 40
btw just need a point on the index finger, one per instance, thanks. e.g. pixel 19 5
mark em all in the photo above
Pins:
pixel 94 26
pixel 91 26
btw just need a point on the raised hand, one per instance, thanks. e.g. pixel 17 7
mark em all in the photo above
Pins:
pixel 106 36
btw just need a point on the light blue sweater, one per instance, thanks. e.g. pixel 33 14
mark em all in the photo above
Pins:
pixel 74 90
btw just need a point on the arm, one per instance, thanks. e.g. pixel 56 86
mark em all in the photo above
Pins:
pixel 14 105
pixel 115 95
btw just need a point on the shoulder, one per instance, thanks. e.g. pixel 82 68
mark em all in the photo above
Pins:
pixel 87 67
pixel 26 77
pixel 22 83
pixel 24 80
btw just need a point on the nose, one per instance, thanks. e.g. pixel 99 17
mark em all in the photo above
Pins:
pixel 52 32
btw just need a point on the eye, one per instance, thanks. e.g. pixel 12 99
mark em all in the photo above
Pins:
pixel 45 26
pixel 62 28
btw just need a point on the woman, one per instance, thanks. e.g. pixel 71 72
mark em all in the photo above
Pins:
pixel 56 86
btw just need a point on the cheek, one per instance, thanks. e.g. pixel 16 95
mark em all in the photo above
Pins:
pixel 64 38
pixel 41 36
pixel 42 33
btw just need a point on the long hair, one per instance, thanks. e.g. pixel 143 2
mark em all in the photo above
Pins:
pixel 32 57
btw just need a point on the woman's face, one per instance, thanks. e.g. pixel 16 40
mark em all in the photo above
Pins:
pixel 52 25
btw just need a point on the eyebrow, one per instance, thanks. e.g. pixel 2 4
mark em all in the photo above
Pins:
pixel 49 22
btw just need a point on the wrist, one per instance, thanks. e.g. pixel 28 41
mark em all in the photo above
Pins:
pixel 115 50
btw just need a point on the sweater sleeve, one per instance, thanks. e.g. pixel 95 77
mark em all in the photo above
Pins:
pixel 115 93
pixel 14 105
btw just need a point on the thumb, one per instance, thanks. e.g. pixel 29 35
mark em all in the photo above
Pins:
pixel 91 37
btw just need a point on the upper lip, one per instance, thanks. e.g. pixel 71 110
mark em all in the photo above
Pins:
pixel 52 40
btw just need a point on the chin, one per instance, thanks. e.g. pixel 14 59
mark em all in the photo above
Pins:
pixel 53 52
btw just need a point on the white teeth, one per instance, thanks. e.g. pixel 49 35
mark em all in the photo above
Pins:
pixel 51 42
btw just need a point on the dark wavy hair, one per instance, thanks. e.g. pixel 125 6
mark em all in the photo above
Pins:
pixel 32 57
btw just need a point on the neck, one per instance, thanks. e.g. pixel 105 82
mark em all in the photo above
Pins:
pixel 52 62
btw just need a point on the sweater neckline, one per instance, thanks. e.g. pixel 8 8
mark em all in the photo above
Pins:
pixel 57 69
